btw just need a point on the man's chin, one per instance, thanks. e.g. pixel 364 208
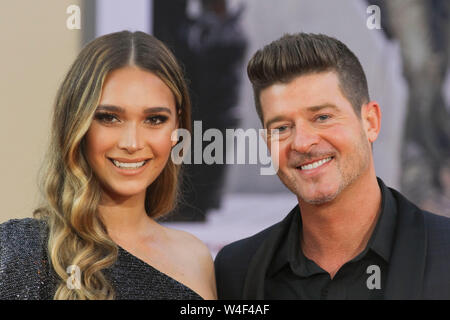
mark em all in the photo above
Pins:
pixel 318 199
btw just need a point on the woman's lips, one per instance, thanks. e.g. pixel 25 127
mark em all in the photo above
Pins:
pixel 129 167
pixel 125 160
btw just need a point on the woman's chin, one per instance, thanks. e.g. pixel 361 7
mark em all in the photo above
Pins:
pixel 125 191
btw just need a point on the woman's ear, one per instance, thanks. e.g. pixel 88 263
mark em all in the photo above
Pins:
pixel 371 119
pixel 174 136
pixel 178 118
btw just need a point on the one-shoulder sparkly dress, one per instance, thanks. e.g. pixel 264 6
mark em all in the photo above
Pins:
pixel 25 272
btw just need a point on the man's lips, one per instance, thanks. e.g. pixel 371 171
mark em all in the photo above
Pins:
pixel 312 164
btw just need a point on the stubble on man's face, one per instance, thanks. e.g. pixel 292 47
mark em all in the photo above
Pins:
pixel 348 171
pixel 323 147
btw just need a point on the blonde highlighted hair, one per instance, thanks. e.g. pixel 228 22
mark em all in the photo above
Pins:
pixel 70 189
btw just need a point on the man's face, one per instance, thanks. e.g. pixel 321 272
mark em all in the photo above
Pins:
pixel 323 145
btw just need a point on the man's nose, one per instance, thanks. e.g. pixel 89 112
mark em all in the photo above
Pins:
pixel 304 138
pixel 130 139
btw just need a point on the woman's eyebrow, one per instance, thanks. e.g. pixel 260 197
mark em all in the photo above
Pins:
pixel 157 109
pixel 110 108
pixel 118 109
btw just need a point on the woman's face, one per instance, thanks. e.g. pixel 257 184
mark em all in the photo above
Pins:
pixel 129 141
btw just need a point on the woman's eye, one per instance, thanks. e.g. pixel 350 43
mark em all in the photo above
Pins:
pixel 106 117
pixel 155 120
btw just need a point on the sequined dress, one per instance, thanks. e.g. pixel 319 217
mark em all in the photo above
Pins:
pixel 25 272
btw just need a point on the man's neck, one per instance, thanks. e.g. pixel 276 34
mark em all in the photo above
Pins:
pixel 336 232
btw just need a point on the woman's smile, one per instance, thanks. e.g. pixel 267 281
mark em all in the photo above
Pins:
pixel 129 141
pixel 132 167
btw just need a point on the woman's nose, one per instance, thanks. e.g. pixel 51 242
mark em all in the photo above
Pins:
pixel 130 139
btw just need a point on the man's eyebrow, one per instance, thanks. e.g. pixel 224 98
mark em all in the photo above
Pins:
pixel 309 109
pixel 118 109
pixel 322 106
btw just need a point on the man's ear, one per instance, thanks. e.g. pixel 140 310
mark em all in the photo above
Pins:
pixel 371 119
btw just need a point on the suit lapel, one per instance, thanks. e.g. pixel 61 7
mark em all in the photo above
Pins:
pixel 406 266
pixel 256 273
pixel 408 258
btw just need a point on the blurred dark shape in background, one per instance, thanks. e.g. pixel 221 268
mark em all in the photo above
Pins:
pixel 422 28
pixel 211 47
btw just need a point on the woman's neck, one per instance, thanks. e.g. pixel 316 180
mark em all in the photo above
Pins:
pixel 124 216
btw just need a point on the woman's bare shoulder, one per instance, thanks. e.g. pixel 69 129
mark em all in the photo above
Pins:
pixel 190 248
pixel 193 252
pixel 187 239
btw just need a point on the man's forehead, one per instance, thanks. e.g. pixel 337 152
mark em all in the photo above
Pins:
pixel 308 84
pixel 309 93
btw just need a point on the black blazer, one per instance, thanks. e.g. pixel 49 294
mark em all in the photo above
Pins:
pixel 419 267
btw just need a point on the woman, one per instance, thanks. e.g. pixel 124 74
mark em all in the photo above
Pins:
pixel 108 177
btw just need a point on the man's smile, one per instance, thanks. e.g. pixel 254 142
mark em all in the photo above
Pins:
pixel 314 164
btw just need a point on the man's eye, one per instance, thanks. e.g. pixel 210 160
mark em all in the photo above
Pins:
pixel 282 128
pixel 279 132
pixel 155 120
pixel 106 117
pixel 323 117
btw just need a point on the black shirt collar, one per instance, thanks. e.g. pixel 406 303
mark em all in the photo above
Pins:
pixel 380 241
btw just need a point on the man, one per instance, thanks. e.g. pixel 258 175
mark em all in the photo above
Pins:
pixel 350 236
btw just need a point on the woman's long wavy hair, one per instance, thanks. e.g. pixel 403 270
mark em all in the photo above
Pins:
pixel 70 189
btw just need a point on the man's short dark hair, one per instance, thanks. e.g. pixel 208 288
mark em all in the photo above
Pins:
pixel 303 53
